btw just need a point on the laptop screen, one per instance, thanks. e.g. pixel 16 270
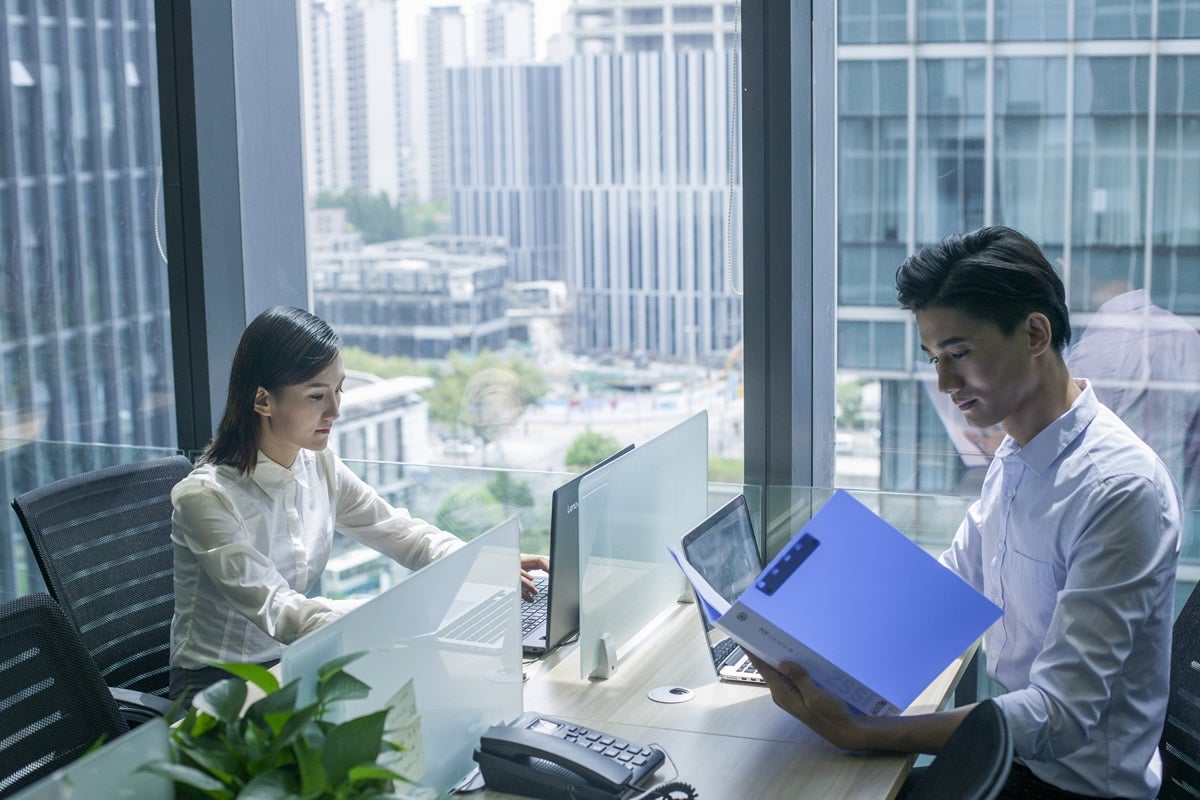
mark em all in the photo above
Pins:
pixel 723 550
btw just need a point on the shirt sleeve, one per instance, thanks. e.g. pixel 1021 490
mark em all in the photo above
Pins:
pixel 210 526
pixel 367 518
pixel 965 555
pixel 1119 570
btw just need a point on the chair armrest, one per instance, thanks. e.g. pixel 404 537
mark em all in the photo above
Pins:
pixel 139 707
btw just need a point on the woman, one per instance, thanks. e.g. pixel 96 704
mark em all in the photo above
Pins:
pixel 253 523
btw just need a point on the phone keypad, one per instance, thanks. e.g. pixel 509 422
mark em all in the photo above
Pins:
pixel 627 753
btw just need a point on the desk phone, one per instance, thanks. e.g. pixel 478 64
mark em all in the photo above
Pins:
pixel 552 759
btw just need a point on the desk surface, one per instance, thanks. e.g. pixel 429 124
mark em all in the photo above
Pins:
pixel 729 740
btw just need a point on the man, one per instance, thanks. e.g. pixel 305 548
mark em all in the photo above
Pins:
pixel 1075 536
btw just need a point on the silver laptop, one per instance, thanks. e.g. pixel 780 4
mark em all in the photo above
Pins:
pixel 723 550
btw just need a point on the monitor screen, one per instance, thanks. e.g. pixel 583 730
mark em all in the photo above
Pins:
pixel 723 549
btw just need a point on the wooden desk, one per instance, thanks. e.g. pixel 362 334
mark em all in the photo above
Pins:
pixel 730 740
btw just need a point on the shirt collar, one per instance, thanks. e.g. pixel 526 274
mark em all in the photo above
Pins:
pixel 269 475
pixel 1050 443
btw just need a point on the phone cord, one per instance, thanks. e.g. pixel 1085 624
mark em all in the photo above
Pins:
pixel 674 790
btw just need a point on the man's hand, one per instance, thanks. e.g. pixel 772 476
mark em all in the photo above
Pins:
pixel 794 691
pixel 528 563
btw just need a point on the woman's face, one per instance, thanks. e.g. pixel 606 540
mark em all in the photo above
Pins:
pixel 300 415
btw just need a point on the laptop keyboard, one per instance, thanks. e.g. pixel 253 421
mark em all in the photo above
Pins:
pixel 722 649
pixel 485 623
pixel 533 613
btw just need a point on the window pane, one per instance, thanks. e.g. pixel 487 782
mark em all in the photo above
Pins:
pixel 1073 158
pixel 951 20
pixel 85 333
pixel 542 234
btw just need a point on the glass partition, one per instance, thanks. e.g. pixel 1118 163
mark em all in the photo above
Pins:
pixel 26 465
pixel 443 678
pixel 629 512
pixel 111 773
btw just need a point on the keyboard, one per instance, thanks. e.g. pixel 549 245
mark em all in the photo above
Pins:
pixel 533 613
pixel 483 624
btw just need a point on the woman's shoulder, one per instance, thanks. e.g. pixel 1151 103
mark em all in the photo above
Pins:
pixel 206 479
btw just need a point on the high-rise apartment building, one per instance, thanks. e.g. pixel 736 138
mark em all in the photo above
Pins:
pixel 652 169
pixel 358 99
pixel 85 353
pixel 504 32
pixel 442 45
pixel 506 162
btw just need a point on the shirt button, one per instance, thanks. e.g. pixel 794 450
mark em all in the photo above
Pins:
pixel 1012 492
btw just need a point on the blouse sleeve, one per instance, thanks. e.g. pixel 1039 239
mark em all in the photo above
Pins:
pixel 366 517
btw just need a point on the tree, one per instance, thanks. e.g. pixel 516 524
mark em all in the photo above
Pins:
pixel 468 511
pixel 381 221
pixel 510 492
pixel 589 449
pixel 356 358
pixel 484 393
pixel 726 470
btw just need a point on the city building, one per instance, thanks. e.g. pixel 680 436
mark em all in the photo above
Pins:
pixel 653 182
pixel 442 45
pixel 506 162
pixel 421 298
pixel 1081 129
pixel 85 336
pixel 358 99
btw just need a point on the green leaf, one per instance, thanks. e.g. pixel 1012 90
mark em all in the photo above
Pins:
pixel 217 760
pixel 278 705
pixel 190 776
pixel 312 771
pixel 375 773
pixel 223 700
pixel 352 744
pixel 336 664
pixel 341 686
pixel 261 677
pixel 274 785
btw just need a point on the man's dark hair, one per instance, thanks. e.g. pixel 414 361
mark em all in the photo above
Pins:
pixel 281 347
pixel 995 274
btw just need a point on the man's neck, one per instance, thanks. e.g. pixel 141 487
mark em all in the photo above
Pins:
pixel 1055 393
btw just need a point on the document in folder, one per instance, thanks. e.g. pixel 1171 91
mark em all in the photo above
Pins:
pixel 868 613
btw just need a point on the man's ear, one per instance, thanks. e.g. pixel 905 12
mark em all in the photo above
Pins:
pixel 262 402
pixel 1040 333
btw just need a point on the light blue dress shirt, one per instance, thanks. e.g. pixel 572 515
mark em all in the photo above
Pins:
pixel 1076 537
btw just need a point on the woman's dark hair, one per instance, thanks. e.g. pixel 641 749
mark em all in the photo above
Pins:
pixel 995 274
pixel 281 347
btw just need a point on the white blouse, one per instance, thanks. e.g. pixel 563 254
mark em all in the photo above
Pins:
pixel 249 547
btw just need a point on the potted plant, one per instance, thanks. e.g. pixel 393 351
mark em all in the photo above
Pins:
pixel 275 748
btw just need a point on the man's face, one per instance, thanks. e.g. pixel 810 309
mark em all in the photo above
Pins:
pixel 990 376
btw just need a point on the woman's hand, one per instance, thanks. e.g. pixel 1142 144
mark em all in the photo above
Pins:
pixel 794 691
pixel 528 563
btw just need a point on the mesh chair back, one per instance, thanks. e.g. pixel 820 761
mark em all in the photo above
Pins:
pixel 974 763
pixel 1180 743
pixel 103 544
pixel 53 703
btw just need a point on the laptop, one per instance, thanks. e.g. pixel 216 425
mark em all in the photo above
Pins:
pixel 723 550
pixel 553 615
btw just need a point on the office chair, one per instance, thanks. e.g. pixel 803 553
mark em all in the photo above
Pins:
pixel 102 541
pixel 974 763
pixel 55 704
pixel 1180 742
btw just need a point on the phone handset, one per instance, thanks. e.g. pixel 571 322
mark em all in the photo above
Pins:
pixel 593 768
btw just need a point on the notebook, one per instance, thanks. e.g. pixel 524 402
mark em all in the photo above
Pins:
pixel 553 615
pixel 723 550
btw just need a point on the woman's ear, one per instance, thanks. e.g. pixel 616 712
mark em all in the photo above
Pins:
pixel 262 402
pixel 1040 333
